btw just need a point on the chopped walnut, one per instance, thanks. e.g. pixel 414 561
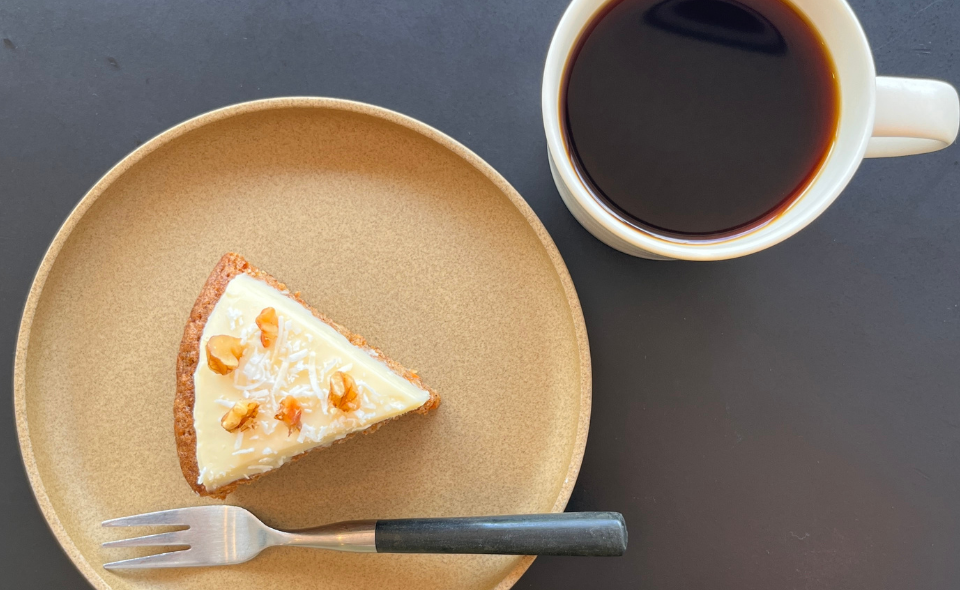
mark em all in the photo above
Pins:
pixel 290 412
pixel 269 326
pixel 344 394
pixel 242 416
pixel 223 353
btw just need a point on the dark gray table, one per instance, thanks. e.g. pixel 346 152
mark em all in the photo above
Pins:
pixel 786 420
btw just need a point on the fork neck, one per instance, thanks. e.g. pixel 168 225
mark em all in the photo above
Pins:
pixel 357 536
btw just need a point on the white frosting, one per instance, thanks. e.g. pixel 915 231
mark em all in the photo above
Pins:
pixel 306 353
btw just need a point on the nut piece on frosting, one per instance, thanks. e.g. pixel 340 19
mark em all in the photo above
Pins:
pixel 223 353
pixel 290 413
pixel 269 326
pixel 241 416
pixel 343 392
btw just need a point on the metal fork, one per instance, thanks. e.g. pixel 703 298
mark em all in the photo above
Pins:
pixel 225 535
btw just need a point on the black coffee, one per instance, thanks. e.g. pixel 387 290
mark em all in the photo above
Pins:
pixel 699 118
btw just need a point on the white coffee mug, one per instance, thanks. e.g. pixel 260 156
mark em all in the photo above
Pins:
pixel 879 117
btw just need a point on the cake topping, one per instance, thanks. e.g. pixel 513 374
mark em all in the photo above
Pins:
pixel 242 416
pixel 343 392
pixel 290 381
pixel 269 325
pixel 223 353
pixel 290 413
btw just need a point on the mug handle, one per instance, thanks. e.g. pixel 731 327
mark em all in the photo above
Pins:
pixel 914 116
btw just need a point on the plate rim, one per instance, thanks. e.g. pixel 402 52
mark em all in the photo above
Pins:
pixel 88 570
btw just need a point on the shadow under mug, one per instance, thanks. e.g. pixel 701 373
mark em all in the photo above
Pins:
pixel 879 117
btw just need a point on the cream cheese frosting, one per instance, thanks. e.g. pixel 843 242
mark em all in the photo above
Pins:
pixel 299 364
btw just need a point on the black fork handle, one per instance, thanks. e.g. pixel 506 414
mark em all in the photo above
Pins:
pixel 595 534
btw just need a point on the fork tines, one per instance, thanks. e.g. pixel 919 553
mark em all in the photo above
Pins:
pixel 179 558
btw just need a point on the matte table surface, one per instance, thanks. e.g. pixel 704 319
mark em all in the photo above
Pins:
pixel 786 420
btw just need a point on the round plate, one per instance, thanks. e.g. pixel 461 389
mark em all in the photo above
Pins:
pixel 391 228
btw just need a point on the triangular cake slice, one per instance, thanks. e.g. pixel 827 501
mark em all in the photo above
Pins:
pixel 263 378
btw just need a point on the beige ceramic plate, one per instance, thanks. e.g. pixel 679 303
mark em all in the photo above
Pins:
pixel 387 225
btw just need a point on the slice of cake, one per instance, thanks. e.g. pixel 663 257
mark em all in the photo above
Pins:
pixel 262 378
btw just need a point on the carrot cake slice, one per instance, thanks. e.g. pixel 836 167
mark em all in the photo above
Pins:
pixel 263 378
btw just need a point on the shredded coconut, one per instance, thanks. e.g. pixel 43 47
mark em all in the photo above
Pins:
pixel 281 377
pixel 300 391
pixel 234 314
pixel 298 368
pixel 246 333
pixel 298 356
pixel 314 384
pixel 252 385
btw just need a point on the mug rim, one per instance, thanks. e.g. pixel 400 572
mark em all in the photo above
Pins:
pixel 576 17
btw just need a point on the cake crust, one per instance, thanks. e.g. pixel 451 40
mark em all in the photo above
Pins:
pixel 190 355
